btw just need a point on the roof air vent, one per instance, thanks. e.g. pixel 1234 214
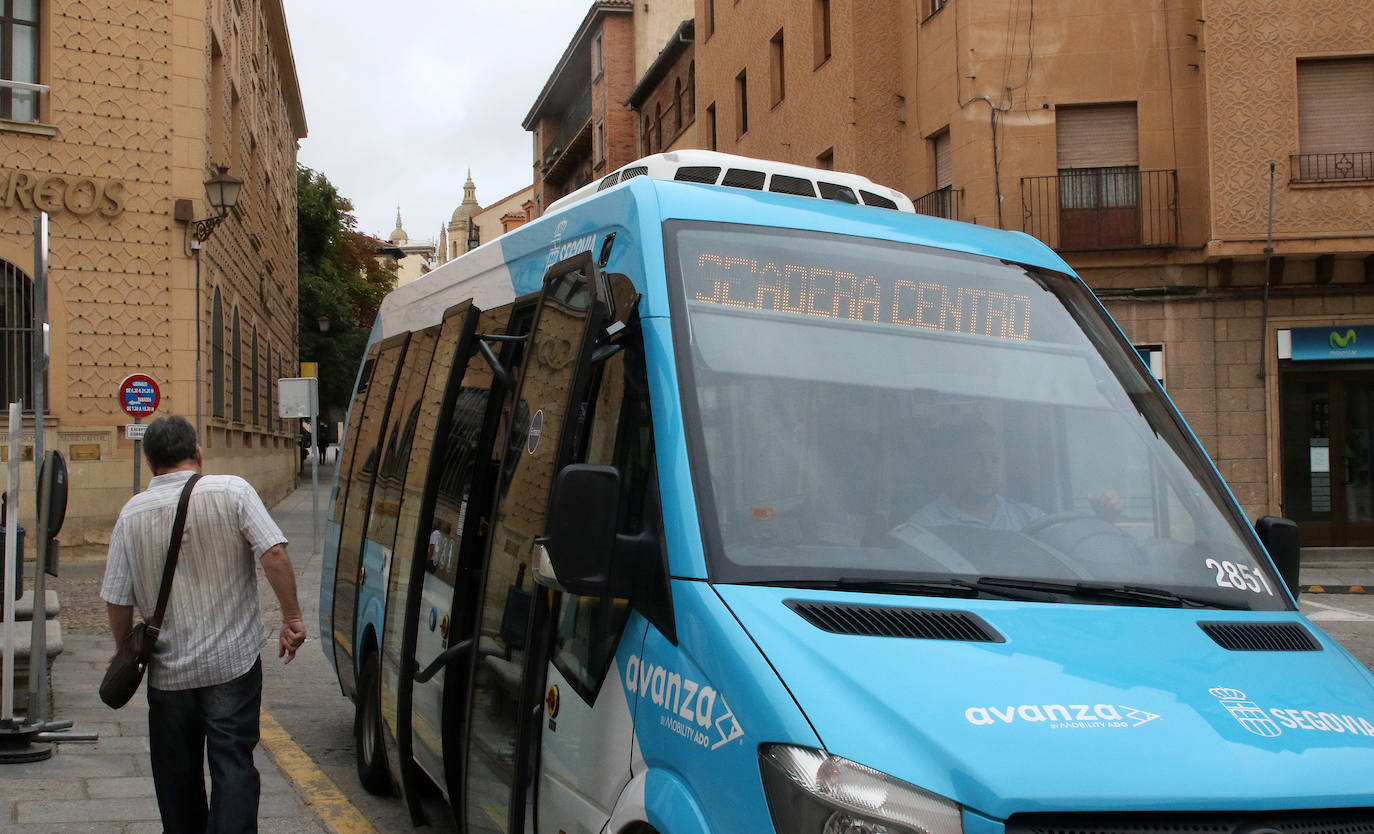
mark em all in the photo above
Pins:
pixel 609 181
pixel 1262 637
pixel 783 184
pixel 884 621
pixel 637 171
pixel 871 199
pixel 698 173
pixel 842 193
pixel 744 178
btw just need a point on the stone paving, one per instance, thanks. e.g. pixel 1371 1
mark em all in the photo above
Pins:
pixel 107 786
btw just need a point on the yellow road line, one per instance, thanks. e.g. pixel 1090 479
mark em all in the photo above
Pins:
pixel 317 789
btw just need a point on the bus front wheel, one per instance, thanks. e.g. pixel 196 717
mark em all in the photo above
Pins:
pixel 367 731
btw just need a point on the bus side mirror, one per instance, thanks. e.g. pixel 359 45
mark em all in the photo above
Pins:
pixel 1280 537
pixel 576 552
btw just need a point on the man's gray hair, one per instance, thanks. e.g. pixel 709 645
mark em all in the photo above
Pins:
pixel 169 441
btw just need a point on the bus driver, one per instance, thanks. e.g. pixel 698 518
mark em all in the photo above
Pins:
pixel 972 464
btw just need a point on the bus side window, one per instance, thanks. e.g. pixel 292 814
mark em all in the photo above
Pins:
pixel 618 432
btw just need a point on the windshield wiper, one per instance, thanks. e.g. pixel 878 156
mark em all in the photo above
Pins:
pixel 1103 591
pixel 938 588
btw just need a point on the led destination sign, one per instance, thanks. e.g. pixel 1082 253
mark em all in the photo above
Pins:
pixel 826 292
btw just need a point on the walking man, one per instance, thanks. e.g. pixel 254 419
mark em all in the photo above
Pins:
pixel 205 676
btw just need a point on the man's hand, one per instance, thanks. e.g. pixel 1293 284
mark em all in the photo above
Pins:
pixel 292 638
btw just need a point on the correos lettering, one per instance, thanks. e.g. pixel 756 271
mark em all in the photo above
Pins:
pixel 58 192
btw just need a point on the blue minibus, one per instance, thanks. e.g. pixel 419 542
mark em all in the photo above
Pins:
pixel 734 497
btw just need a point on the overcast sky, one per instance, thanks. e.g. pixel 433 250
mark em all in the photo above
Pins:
pixel 402 98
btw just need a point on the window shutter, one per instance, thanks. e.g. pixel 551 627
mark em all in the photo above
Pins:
pixel 943 174
pixel 1100 136
pixel 1336 105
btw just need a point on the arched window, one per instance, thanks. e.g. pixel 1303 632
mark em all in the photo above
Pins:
pixel 253 402
pixel 677 104
pixel 648 137
pixel 270 415
pixel 217 356
pixel 658 126
pixel 692 89
pixel 237 375
pixel 16 335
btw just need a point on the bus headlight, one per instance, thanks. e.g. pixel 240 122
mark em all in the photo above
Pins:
pixel 812 792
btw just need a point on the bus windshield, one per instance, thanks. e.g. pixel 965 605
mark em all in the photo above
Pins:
pixel 875 415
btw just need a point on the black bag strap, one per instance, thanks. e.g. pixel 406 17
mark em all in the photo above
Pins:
pixel 154 626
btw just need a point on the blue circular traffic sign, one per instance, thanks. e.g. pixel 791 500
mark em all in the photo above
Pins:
pixel 138 395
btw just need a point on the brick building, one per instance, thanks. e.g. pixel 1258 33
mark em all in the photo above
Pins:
pixel 121 114
pixel 582 124
pixel 1136 139
pixel 664 98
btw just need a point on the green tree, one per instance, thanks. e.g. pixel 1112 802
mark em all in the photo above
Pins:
pixel 341 278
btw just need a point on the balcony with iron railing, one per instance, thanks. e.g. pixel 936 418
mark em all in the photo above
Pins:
pixel 1348 166
pixel 942 202
pixel 1102 208
pixel 575 119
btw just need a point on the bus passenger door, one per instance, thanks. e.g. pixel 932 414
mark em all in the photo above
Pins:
pixel 353 509
pixel 456 461
pixel 588 728
pixel 501 737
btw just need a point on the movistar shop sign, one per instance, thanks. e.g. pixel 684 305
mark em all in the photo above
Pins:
pixel 1341 342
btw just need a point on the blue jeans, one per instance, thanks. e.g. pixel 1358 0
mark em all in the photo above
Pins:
pixel 185 725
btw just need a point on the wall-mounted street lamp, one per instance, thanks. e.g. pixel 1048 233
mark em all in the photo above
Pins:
pixel 222 192
pixel 323 322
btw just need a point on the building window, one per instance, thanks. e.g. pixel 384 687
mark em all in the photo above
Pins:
pixel 19 58
pixel 217 356
pixel 820 27
pixel 599 141
pixel 711 126
pixel 658 126
pixel 825 160
pixel 16 335
pixel 742 103
pixel 710 18
pixel 646 137
pixel 237 371
pixel 778 75
pixel 942 201
pixel 598 64
pixel 677 105
pixel 1099 176
pixel 254 404
pixel 933 6
pixel 691 92
pixel 269 416
pixel 1335 120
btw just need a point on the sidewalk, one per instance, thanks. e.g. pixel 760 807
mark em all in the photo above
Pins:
pixel 108 786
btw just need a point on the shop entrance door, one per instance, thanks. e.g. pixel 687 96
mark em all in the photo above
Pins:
pixel 1326 427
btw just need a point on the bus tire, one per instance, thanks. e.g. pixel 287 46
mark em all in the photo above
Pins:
pixel 367 731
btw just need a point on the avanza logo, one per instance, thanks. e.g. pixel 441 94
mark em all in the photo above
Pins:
pixel 1062 716
pixel 692 710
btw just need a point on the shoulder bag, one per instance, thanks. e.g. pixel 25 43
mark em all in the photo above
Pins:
pixel 126 670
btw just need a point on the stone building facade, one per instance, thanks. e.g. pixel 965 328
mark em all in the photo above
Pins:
pixel 1137 140
pixel 138 104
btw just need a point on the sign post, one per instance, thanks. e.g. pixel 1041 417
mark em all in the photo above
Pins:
pixel 298 398
pixel 138 396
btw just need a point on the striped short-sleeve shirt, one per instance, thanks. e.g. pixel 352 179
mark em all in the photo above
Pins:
pixel 212 631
